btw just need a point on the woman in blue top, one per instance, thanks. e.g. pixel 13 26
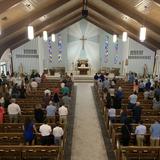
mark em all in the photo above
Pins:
pixel 29 130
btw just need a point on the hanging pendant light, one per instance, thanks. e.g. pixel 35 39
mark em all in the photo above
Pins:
pixel 53 37
pixel 114 38
pixel 124 36
pixel 45 35
pixel 142 34
pixel 30 32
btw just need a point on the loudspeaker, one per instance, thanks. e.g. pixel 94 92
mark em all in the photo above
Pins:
pixel 84 13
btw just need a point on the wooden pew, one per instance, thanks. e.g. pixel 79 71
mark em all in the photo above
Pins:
pixel 19 152
pixel 138 153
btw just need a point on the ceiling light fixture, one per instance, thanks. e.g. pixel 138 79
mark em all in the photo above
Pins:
pixel 53 37
pixel 45 35
pixel 124 36
pixel 30 32
pixel 84 10
pixel 114 38
pixel 142 34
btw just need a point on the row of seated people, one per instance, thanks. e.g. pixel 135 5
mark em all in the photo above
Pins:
pixel 140 134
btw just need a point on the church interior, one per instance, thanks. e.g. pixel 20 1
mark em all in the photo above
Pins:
pixel 79 79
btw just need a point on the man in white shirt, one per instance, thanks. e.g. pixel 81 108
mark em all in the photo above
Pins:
pixel 112 114
pixel 45 131
pixel 47 91
pixel 13 111
pixel 57 133
pixel 140 131
pixel 34 85
pixel 63 112
pixel 132 100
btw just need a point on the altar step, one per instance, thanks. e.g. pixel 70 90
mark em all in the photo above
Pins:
pixel 83 79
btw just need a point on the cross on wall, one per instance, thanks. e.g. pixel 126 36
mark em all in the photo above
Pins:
pixel 83 40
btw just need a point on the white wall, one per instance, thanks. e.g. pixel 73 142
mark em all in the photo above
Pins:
pixel 75 49
pixel 94 50
pixel 137 65
pixel 28 63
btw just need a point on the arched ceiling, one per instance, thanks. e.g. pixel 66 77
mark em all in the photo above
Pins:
pixel 113 16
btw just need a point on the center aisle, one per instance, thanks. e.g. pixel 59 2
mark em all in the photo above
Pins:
pixel 87 142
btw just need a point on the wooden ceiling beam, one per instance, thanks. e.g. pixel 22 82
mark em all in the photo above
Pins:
pixel 58 17
pixel 53 30
pixel 6 4
pixel 52 19
pixel 122 23
pixel 23 37
pixel 29 19
pixel 157 1
pixel 106 25
pixel 131 12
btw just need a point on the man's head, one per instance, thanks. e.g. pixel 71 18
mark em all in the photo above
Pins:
pixel 50 103
pixel 13 100
pixel 137 103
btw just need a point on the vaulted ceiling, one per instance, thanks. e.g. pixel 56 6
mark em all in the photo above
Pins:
pixel 113 16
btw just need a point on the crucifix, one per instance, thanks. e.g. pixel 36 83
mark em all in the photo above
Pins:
pixel 83 39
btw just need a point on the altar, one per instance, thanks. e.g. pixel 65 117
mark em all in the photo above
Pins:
pixel 83 70
pixel 82 66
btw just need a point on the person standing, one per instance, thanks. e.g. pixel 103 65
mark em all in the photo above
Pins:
pixel 57 133
pixel 112 114
pixel 66 100
pixel 39 113
pixel 136 113
pixel 1 113
pixel 140 131
pixel 132 100
pixel 51 111
pixel 29 130
pixel 155 133
pixel 63 112
pixel 45 131
pixel 126 133
pixel 13 111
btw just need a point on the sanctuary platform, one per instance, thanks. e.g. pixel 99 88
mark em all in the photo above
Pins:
pixel 77 78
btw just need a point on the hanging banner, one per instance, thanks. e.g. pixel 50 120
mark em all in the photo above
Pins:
pixel 116 56
pixel 106 49
pixel 59 48
pixel 50 50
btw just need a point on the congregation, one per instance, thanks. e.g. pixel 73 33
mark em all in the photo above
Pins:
pixel 49 113
pixel 125 106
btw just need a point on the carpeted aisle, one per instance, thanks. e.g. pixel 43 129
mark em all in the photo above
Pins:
pixel 87 142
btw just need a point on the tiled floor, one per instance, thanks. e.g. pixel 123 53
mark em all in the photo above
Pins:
pixel 87 142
